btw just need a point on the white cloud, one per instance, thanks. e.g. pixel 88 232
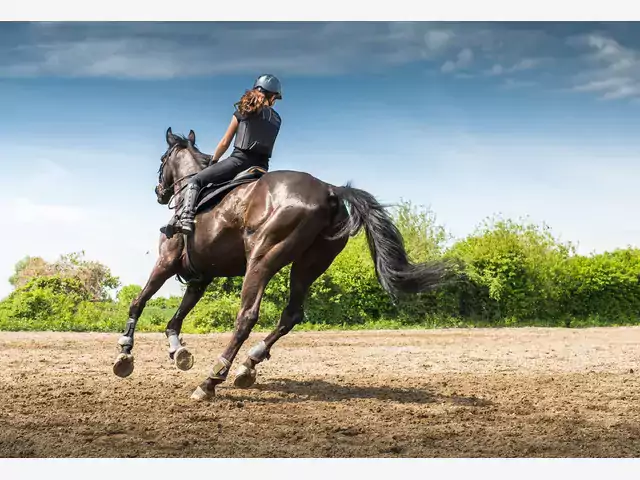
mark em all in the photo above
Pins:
pixel 168 50
pixel 512 83
pixel 436 40
pixel 161 50
pixel 625 91
pixel 497 69
pixel 521 65
pixel 612 70
pixel 526 64
pixel 612 88
pixel 599 85
pixel 463 60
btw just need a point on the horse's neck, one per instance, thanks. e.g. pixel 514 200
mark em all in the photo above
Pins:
pixel 187 168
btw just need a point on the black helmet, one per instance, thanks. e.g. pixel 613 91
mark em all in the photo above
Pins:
pixel 269 83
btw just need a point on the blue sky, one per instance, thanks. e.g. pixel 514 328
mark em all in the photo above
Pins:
pixel 471 119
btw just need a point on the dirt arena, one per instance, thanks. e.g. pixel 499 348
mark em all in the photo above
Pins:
pixel 446 393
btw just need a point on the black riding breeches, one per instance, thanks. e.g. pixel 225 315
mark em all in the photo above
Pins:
pixel 226 170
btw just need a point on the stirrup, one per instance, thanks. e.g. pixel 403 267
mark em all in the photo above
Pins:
pixel 168 230
pixel 187 227
pixel 171 229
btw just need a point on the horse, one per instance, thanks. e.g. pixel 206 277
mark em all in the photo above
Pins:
pixel 254 229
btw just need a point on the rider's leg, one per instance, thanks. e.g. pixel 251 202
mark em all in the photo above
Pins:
pixel 217 173
pixel 221 171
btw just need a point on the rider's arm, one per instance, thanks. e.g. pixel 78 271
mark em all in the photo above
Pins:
pixel 223 146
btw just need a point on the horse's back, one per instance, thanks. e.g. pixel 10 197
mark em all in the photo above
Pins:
pixel 292 185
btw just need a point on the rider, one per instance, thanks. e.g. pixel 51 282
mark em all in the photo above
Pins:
pixel 255 125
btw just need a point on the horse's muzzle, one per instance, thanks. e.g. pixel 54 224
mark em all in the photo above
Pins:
pixel 162 195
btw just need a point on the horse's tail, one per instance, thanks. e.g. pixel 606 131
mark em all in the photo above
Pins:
pixel 394 270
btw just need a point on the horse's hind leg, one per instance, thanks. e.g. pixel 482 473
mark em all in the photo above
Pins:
pixel 165 268
pixel 180 355
pixel 313 263
pixel 255 282
pixel 266 260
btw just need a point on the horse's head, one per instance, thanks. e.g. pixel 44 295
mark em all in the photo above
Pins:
pixel 175 167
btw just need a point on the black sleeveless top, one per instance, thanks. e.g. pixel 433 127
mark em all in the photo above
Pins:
pixel 257 133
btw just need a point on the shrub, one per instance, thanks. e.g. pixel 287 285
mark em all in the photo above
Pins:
pixel 510 273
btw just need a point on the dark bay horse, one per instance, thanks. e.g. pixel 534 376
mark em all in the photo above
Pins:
pixel 284 217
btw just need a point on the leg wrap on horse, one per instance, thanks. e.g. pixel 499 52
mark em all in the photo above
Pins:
pixel 130 328
pixel 220 370
pixel 259 352
pixel 126 340
pixel 174 342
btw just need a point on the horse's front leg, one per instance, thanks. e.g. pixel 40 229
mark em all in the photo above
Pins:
pixel 166 266
pixel 178 352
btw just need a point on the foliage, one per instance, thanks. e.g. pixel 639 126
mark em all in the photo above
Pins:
pixel 511 273
pixel 96 278
pixel 127 294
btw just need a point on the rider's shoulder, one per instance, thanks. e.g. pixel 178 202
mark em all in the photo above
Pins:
pixel 238 115
pixel 274 112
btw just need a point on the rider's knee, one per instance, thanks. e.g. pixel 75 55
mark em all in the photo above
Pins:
pixel 196 180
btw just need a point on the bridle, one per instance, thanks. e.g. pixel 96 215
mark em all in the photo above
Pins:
pixel 164 159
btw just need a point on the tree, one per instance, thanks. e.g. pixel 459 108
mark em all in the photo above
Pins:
pixel 94 277
pixel 128 293
pixel 26 269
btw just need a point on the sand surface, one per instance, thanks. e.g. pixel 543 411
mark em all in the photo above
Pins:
pixel 445 393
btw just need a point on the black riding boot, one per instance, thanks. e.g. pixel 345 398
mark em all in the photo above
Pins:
pixel 184 220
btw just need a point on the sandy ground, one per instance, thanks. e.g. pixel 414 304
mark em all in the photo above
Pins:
pixel 447 393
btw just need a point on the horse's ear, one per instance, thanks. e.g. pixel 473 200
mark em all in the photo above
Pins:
pixel 171 140
pixel 192 137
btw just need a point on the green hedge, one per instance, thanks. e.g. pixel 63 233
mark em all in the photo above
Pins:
pixel 512 273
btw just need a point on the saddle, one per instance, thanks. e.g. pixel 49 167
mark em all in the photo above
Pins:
pixel 212 194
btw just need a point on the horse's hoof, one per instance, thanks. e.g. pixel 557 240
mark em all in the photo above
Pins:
pixel 123 366
pixel 245 377
pixel 200 395
pixel 183 359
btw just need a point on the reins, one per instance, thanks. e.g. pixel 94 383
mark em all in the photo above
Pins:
pixel 179 190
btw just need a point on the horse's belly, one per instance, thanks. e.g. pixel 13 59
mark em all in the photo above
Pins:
pixel 219 251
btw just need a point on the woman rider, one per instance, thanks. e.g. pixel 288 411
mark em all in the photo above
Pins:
pixel 255 125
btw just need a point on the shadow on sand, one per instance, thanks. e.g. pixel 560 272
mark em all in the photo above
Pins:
pixel 320 390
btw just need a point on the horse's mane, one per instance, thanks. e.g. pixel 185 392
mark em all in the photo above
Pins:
pixel 183 142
